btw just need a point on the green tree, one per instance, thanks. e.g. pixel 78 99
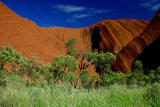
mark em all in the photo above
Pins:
pixel 138 67
pixel 111 78
pixel 138 77
pixel 84 63
pixel 8 55
pixel 30 68
pixel 3 75
pixel 154 75
pixel 70 44
pixel 65 63
pixel 89 80
pixel 63 66
pixel 47 73
pixel 69 77
pixel 101 61
pixel 74 53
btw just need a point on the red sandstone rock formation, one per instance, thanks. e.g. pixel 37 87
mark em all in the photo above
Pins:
pixel 25 36
pixel 109 35
pixel 134 48
pixel 116 34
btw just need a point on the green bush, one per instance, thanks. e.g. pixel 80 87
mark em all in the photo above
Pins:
pixel 137 77
pixel 114 78
pixel 88 80
pixel 154 75
pixel 152 95
pixel 9 55
pixel 3 76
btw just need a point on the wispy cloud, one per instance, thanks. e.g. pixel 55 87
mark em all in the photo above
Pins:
pixel 153 5
pixel 81 15
pixel 90 12
pixel 102 11
pixel 69 8
pixel 78 12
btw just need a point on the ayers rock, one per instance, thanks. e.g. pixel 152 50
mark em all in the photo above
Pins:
pixel 127 38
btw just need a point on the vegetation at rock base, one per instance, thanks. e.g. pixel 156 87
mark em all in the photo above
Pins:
pixel 27 82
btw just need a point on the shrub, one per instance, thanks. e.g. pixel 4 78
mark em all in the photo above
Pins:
pixel 3 75
pixel 47 73
pixel 88 80
pixel 8 55
pixel 65 63
pixel 152 95
pixel 137 77
pixel 154 75
pixel 114 78
pixel 138 67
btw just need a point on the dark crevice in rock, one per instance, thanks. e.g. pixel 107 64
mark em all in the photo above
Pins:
pixel 96 38
pixel 150 57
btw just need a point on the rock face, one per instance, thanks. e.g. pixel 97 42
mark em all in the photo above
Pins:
pixel 126 37
pixel 134 48
pixel 114 35
pixel 25 36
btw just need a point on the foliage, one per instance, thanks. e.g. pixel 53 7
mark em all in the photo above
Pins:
pixel 65 62
pixel 154 75
pixel 74 53
pixel 64 68
pixel 70 44
pixel 138 77
pixel 89 80
pixel 8 55
pixel 138 67
pixel 30 68
pixel 102 63
pixel 47 73
pixel 69 77
pixel 13 91
pixel 3 76
pixel 152 96
pixel 111 78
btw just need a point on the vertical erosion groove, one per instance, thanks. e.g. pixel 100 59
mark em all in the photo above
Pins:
pixel 96 38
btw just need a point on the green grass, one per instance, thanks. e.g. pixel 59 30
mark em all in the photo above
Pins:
pixel 17 95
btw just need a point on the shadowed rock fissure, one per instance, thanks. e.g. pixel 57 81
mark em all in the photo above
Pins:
pixel 96 38
pixel 150 57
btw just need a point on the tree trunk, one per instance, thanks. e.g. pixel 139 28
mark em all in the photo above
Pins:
pixel 27 82
pixel 82 68
pixel 2 65
pixel 79 79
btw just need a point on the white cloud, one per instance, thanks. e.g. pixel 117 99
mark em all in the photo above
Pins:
pixel 70 8
pixel 101 11
pixel 153 5
pixel 79 11
pixel 91 12
pixel 81 15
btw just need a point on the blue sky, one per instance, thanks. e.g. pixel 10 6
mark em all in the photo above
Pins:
pixel 81 13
